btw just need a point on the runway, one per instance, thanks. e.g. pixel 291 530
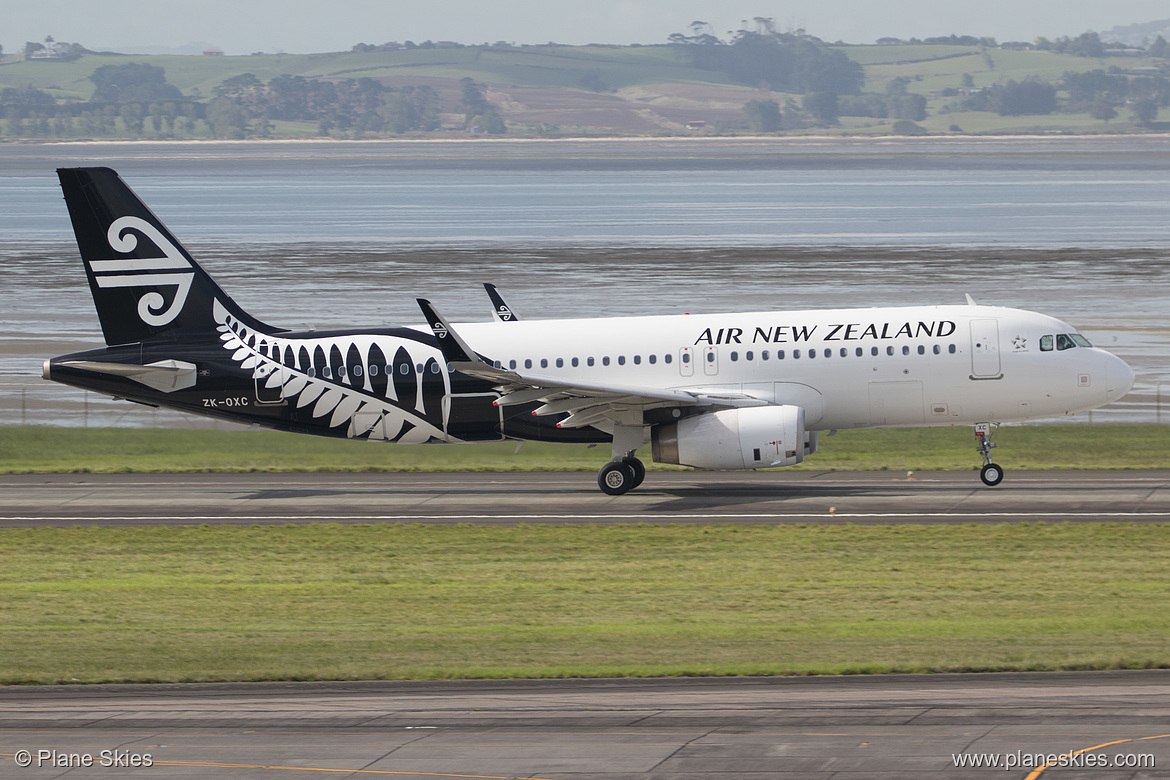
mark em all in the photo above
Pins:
pixel 877 728
pixel 573 498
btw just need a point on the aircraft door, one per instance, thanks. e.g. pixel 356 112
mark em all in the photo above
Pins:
pixel 686 361
pixel 985 349
pixel 711 361
pixel 270 380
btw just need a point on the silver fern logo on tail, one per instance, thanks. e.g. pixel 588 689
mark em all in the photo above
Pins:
pixel 146 272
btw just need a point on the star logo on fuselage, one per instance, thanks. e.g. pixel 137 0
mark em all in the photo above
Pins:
pixel 1019 343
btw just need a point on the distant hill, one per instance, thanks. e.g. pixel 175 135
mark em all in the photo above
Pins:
pixel 945 88
pixel 1138 34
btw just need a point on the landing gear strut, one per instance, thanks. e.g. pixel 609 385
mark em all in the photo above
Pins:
pixel 991 474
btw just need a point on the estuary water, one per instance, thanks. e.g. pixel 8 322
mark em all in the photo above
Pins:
pixel 349 233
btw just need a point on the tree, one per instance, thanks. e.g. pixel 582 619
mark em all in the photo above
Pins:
pixel 1102 109
pixel 1145 111
pixel 473 103
pixel 1158 47
pixel 247 92
pixel 134 82
pixel 822 106
pixel 226 119
pixel 1030 96
pixel 763 116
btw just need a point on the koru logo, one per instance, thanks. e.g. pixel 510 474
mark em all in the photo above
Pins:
pixel 505 314
pixel 170 270
pixel 440 331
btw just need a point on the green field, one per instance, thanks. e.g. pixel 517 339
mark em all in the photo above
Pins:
pixel 410 601
pixel 32 449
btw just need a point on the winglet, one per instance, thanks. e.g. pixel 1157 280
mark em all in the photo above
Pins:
pixel 970 300
pixel 453 347
pixel 500 309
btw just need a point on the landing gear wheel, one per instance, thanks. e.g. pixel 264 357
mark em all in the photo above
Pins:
pixel 616 478
pixel 991 475
pixel 638 469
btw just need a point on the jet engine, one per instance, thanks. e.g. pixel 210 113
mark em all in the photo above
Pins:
pixel 756 437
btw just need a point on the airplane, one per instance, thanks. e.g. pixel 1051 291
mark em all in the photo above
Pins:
pixel 712 391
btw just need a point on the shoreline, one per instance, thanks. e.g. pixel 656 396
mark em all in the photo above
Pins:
pixel 824 139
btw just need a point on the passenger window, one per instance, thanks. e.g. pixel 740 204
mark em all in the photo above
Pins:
pixel 576 362
pixel 637 360
pixel 780 354
pixel 605 360
pixel 326 372
pixel 311 372
pixel 859 352
pixel 512 364
pixel 544 362
pixel 905 349
pixel 374 368
pixel 528 362
pixel 589 360
pixel 828 352
pixel 357 370
pixel 653 359
pixel 668 358
pixel 796 354
pixel 1046 343
pixel 711 356
pixel 889 350
pixel 404 369
pixel 951 349
pixel 435 368
pixel 621 360
pixel 560 362
pixel 873 351
pixel 764 355
pixel 844 352
pixel 1064 342
pixel 748 355
pixel 734 357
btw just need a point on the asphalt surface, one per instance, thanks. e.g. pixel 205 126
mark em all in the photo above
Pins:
pixel 573 498
pixel 877 728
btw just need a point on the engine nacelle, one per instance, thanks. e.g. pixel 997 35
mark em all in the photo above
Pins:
pixel 756 437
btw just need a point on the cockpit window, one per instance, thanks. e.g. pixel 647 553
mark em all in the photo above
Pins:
pixel 1080 340
pixel 1046 343
pixel 1064 341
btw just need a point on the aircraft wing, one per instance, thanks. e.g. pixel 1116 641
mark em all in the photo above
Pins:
pixel 586 403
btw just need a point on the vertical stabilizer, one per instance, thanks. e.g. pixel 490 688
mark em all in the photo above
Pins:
pixel 144 283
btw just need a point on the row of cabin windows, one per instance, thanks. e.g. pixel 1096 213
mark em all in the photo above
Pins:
pixel 1063 341
pixel 734 356
pixel 590 361
pixel 842 352
pixel 330 372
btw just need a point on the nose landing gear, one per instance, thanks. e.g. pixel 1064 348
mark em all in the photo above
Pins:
pixel 991 474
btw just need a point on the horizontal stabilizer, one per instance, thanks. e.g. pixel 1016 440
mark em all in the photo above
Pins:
pixel 166 376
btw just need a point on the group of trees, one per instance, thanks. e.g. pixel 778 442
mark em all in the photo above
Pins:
pixel 135 94
pixel 784 62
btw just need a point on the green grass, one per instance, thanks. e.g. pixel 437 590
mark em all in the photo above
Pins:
pixel 25 450
pixel 396 601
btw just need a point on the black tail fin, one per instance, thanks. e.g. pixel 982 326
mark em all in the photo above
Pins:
pixel 143 282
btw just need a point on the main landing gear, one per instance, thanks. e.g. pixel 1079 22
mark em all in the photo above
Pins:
pixel 621 476
pixel 991 474
pixel 624 472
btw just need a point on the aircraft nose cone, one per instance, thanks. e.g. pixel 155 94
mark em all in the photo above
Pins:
pixel 1118 378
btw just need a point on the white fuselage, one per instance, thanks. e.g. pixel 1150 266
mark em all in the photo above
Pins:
pixel 847 368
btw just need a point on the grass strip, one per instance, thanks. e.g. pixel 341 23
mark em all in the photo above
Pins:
pixel 418 602
pixel 26 450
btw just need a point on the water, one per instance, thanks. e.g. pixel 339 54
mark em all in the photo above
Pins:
pixel 349 234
